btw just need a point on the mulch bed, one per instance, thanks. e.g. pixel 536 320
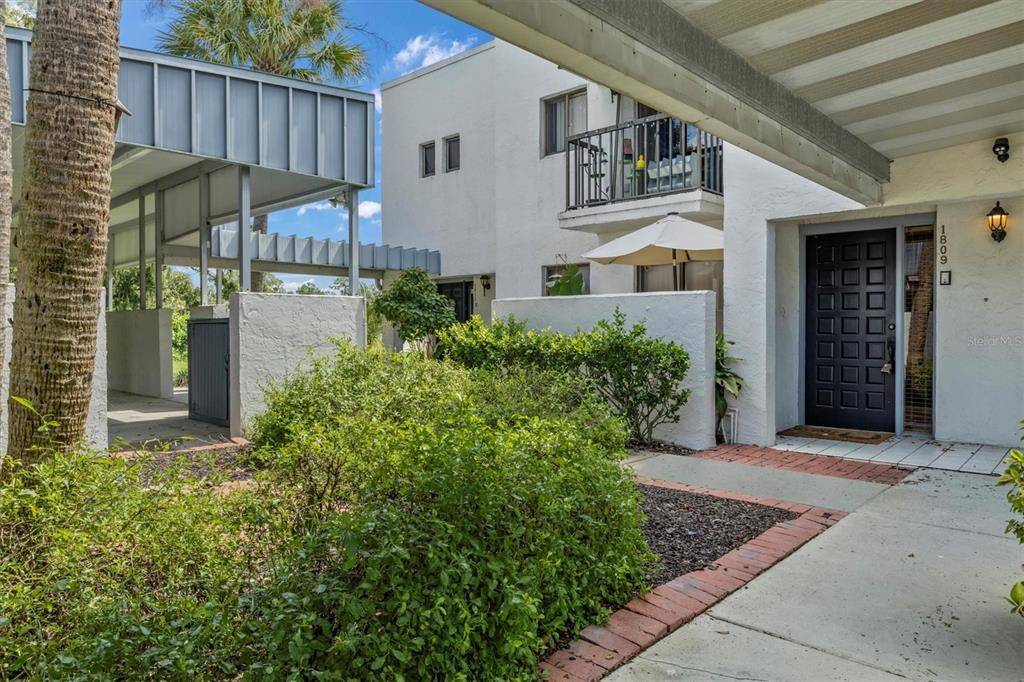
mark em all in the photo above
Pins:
pixel 690 531
pixel 669 448
pixel 222 463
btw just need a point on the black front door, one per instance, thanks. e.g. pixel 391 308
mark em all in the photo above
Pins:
pixel 851 322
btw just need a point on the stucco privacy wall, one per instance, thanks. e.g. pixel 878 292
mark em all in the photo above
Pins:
pixel 139 352
pixel 96 420
pixel 274 335
pixel 979 335
pixel 687 318
pixel 767 191
pixel 209 312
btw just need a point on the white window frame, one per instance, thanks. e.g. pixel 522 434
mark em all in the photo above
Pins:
pixel 564 97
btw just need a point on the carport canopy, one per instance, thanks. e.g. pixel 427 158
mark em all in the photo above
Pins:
pixel 207 145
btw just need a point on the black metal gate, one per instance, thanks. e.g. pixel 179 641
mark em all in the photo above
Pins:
pixel 208 358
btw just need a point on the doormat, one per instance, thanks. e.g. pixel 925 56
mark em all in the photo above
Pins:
pixel 830 433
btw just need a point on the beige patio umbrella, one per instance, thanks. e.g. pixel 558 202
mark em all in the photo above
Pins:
pixel 671 240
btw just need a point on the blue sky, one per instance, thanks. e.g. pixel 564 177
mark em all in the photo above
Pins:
pixel 404 36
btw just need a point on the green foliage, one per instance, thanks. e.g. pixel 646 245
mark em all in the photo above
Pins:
pixel 570 283
pixel 504 491
pixel 727 381
pixel 454 530
pixel 309 288
pixel 1013 476
pixel 304 39
pixel 412 304
pixel 109 572
pixel 637 375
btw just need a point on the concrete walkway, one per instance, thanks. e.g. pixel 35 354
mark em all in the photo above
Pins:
pixel 134 420
pixel 909 585
pixel 909 450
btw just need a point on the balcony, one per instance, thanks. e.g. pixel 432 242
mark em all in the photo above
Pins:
pixel 621 177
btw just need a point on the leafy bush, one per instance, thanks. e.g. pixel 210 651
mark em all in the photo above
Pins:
pixel 413 520
pixel 412 304
pixel 504 488
pixel 109 572
pixel 1013 476
pixel 637 375
pixel 518 536
pixel 179 332
pixel 727 381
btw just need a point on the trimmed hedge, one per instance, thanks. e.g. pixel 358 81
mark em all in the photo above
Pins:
pixel 638 376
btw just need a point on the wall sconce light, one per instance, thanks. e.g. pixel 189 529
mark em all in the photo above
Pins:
pixel 997 222
pixel 1001 149
pixel 485 282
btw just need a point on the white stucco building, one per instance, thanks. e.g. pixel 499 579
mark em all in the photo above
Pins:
pixel 500 219
pixel 863 284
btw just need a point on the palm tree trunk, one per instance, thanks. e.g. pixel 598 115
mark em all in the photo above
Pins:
pixel 65 207
pixel 259 224
pixel 6 186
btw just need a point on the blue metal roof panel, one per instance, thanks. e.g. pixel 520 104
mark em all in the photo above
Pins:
pixel 230 113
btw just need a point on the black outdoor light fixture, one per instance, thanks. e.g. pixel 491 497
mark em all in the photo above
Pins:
pixel 997 222
pixel 1001 149
pixel 485 282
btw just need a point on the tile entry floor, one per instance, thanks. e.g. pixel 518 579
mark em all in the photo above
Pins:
pixel 909 449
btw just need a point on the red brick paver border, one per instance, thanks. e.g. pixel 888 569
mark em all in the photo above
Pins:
pixel 823 465
pixel 648 618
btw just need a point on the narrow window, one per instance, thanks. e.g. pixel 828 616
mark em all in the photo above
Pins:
pixel 564 115
pixel 452 154
pixel 428 160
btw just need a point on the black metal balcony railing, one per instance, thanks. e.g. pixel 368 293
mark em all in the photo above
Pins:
pixel 647 157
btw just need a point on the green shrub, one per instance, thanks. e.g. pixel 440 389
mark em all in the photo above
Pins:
pixel 640 377
pixel 110 572
pixel 1013 476
pixel 469 550
pixel 414 520
pixel 413 305
pixel 179 333
pixel 727 381
pixel 503 489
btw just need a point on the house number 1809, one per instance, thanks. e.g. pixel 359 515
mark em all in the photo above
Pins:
pixel 943 247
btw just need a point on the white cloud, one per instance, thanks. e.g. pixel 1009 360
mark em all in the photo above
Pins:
pixel 424 50
pixel 377 100
pixel 318 206
pixel 369 209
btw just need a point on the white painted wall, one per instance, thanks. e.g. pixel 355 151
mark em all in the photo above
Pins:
pixel 274 335
pixel 965 171
pixel 758 191
pixel 139 352
pixel 499 213
pixel 979 350
pixel 96 420
pixel 210 312
pixel 687 318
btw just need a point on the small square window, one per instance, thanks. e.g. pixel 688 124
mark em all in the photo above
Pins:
pixel 452 153
pixel 428 159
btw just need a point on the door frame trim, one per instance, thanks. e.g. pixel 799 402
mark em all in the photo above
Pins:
pixel 897 223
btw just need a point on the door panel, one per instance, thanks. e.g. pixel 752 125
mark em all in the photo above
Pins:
pixel 851 322
pixel 208 357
